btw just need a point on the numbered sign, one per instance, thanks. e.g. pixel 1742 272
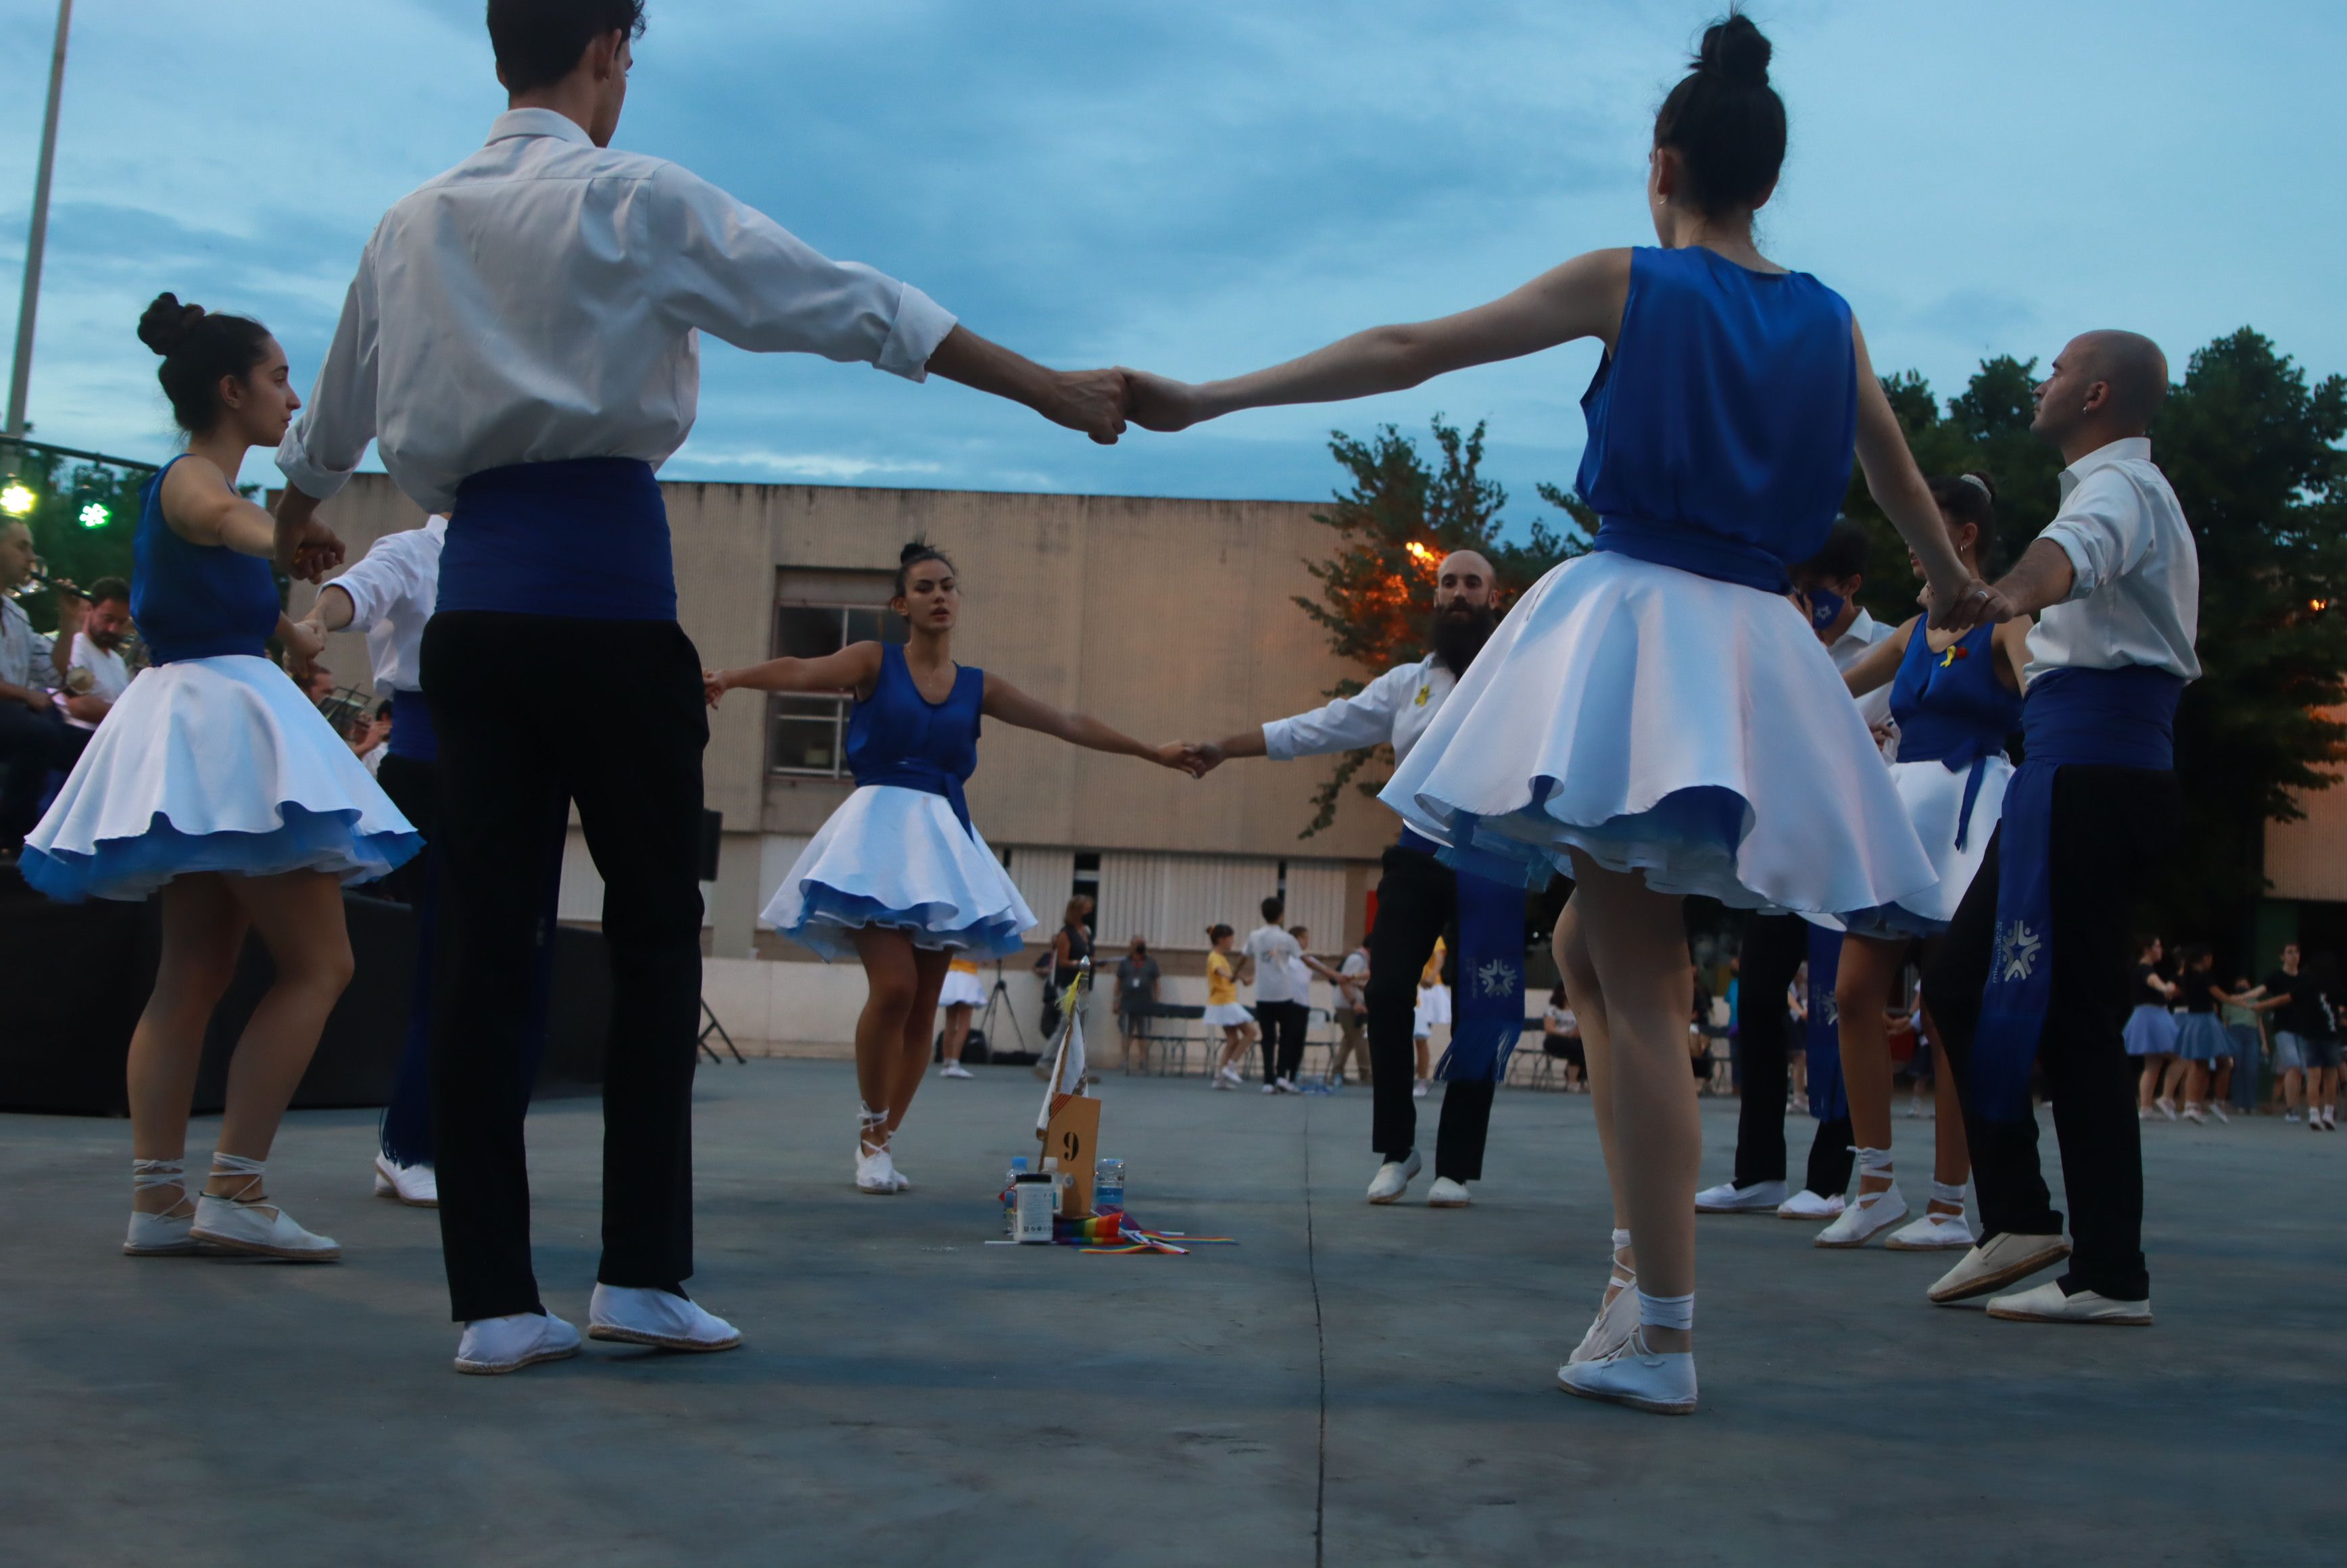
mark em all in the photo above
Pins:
pixel 1072 1137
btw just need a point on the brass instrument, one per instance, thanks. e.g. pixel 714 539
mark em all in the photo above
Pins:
pixel 41 578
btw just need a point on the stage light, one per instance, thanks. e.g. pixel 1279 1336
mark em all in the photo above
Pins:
pixel 95 515
pixel 17 500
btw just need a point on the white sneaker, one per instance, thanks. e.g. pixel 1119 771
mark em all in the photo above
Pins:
pixel 1863 1221
pixel 1933 1232
pixel 1219 1082
pixel 2192 1113
pixel 1287 1086
pixel 495 1345
pixel 2219 1113
pixel 637 1317
pixel 1447 1193
pixel 260 1228
pixel 417 1187
pixel 1728 1198
pixel 1997 1262
pixel 1418 1090
pixel 874 1171
pixel 2292 1116
pixel 1230 1075
pixel 1273 1087
pixel 1806 1205
pixel 2166 1107
pixel 955 1070
pixel 1634 1375
pixel 2048 1304
pixel 1393 1178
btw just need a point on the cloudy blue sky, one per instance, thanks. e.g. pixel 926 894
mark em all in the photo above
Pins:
pixel 1201 188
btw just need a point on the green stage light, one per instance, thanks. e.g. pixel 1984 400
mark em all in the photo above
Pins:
pixel 95 515
pixel 17 501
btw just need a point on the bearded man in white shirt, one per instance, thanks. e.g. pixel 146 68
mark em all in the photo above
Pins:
pixel 1417 896
pixel 2036 967
pixel 522 342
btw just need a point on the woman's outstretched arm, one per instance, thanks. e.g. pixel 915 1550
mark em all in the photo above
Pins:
pixel 1879 665
pixel 854 668
pixel 1009 704
pixel 1583 298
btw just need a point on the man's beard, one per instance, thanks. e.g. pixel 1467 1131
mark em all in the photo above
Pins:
pixel 106 642
pixel 1460 632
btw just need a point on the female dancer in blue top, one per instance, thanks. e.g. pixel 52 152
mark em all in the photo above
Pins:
pixel 215 782
pixel 1655 717
pixel 899 876
pixel 1955 697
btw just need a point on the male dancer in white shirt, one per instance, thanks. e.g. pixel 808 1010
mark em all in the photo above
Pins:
pixel 522 342
pixel 1417 896
pixel 2036 967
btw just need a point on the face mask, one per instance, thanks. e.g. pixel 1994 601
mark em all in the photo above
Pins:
pixel 1825 607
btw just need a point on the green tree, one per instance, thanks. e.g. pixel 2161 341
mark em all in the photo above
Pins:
pixel 62 488
pixel 1397 517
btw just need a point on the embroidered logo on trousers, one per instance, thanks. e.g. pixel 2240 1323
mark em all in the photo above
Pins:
pixel 1496 980
pixel 2016 951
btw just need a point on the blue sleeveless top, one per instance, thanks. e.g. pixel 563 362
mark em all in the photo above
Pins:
pixel 195 601
pixel 1723 426
pixel 897 736
pixel 1950 705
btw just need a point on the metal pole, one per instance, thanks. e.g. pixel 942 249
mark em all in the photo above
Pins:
pixel 21 378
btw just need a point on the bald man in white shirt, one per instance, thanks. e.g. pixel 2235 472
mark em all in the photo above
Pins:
pixel 522 344
pixel 2036 967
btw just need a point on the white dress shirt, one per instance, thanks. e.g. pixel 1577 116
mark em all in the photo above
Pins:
pixel 393 589
pixel 1395 708
pixel 109 673
pixel 24 652
pixel 542 301
pixel 1273 950
pixel 2136 596
pixel 1862 634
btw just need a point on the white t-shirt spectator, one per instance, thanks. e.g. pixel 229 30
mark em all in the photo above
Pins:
pixel 1273 950
pixel 1299 976
pixel 108 673
pixel 1356 967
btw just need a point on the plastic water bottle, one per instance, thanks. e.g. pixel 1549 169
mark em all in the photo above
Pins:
pixel 1108 1187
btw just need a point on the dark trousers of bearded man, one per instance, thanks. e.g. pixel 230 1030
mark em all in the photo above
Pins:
pixel 1418 904
pixel 2109 826
pixel 508 762
pixel 1774 948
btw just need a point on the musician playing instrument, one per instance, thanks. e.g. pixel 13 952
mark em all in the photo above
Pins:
pixel 33 741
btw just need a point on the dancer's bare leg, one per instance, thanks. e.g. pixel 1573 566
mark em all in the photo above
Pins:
pixel 1636 942
pixel 956 1030
pixel 1951 1161
pixel 891 982
pixel 203 932
pixel 299 917
pixel 1588 998
pixel 1860 985
pixel 929 966
pixel 2148 1086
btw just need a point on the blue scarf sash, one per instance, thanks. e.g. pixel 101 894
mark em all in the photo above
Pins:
pixel 1828 1095
pixel 915 772
pixel 1487 1013
pixel 2123 718
pixel 412 734
pixel 586 538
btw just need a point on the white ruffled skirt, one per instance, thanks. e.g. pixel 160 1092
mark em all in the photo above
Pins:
pixel 1666 723
pixel 898 857
pixel 1935 805
pixel 961 989
pixel 213 765
pixel 1227 1015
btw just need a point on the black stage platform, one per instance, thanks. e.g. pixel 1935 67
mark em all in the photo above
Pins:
pixel 73 980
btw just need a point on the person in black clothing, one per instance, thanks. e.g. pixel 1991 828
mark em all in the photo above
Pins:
pixel 2203 1048
pixel 1069 948
pixel 2299 1018
pixel 1774 948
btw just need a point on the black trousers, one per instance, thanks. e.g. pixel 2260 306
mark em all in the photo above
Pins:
pixel 1418 904
pixel 2109 825
pixel 32 746
pixel 1284 1025
pixel 509 757
pixel 1774 948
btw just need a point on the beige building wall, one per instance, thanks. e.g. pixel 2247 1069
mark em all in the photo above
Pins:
pixel 2308 859
pixel 1167 618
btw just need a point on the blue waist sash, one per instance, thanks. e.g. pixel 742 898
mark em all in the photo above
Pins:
pixel 1691 549
pixel 412 734
pixel 1821 1030
pixel 2123 718
pixel 1956 745
pixel 912 773
pixel 585 537
pixel 1487 1009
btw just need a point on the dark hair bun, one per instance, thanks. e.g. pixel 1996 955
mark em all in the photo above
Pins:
pixel 1735 51
pixel 165 325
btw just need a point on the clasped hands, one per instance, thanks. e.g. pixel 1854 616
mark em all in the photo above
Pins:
pixel 1100 402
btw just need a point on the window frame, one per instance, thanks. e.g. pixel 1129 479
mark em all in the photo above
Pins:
pixel 804 708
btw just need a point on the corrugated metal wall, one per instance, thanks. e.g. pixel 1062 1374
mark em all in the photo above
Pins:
pixel 1171 899
pixel 1046 878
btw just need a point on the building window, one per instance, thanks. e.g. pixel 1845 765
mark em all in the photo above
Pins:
pixel 807 735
